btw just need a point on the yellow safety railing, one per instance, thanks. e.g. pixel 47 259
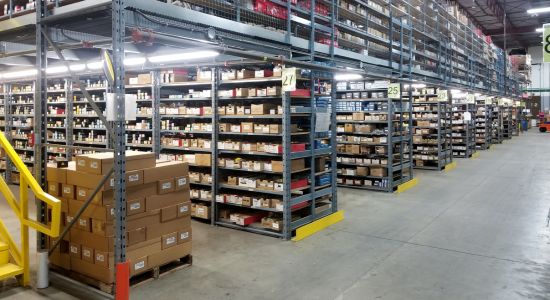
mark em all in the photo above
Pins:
pixel 20 208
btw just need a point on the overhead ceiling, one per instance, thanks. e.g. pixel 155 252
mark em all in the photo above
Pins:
pixel 520 33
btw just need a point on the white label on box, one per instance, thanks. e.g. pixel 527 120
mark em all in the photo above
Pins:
pixel 139 265
pixel 87 253
pixel 112 182
pixel 69 219
pixel 276 225
pixel 200 210
pixel 74 249
pixel 279 207
pixel 81 162
pixel 135 206
pixel 82 193
pixel 94 165
pixel 183 209
pixel 82 222
pixel 184 235
pixel 133 178
pixel 170 240
pixel 112 211
pixel 100 257
pixel 67 190
pixel 166 186
pixel 182 181
pixel 53 187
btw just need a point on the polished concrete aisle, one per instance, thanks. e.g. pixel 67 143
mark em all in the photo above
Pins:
pixel 476 232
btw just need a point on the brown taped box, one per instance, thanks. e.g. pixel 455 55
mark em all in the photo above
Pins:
pixel 166 186
pixel 151 232
pixel 378 171
pixel 68 191
pixel 91 181
pixel 261 109
pixel 296 165
pixel 106 197
pixel 155 202
pixel 137 264
pixel 101 163
pixel 106 212
pixel 106 259
pixel 165 170
pixel 56 174
pixel 169 240
pixel 54 188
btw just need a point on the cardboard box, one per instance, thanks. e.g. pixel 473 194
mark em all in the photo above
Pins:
pixel 378 171
pixel 87 254
pixel 261 109
pixel 101 163
pixel 135 206
pixel 54 189
pixel 202 211
pixel 139 265
pixel 247 127
pixel 90 181
pixel 362 171
pixel 297 164
pixel 165 170
pixel 75 250
pixel 169 240
pixel 168 213
pixel 155 202
pixel 56 174
pixel 184 235
pixel 203 159
pixel 144 79
pixel 68 191
pixel 245 74
pixel 358 116
pixel 166 186
pixel 184 209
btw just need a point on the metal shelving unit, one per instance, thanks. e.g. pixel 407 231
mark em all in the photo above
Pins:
pixel 507 126
pixel 284 178
pixel 432 144
pixel 483 123
pixel 463 129
pixel 374 136
pixel 497 124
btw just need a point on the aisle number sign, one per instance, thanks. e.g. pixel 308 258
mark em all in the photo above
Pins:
pixel 546 43
pixel 442 96
pixel 470 98
pixel 289 79
pixel 394 91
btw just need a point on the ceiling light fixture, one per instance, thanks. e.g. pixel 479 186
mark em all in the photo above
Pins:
pixel 134 61
pixel 349 76
pixel 418 85
pixel 182 56
pixel 77 68
pixel 96 65
pixel 538 10
pixel 24 73
pixel 56 70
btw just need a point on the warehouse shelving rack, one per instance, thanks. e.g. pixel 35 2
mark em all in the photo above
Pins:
pixel 432 143
pixel 228 29
pixel 483 123
pixel 507 127
pixel 373 126
pixel 497 124
pixel 463 129
pixel 4 96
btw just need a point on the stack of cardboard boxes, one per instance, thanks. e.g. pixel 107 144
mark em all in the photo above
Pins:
pixel 158 211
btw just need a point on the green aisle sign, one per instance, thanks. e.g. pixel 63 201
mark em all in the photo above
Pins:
pixel 442 95
pixel 394 91
pixel 546 43
pixel 289 79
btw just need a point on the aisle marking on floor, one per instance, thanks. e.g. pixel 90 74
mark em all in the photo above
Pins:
pixel 450 166
pixel 314 227
pixel 407 185
pixel 475 155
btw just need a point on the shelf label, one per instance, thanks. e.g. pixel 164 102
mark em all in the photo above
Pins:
pixel 442 96
pixel 546 43
pixel 470 98
pixel 394 91
pixel 289 79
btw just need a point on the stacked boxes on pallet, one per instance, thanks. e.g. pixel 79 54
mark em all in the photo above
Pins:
pixel 158 211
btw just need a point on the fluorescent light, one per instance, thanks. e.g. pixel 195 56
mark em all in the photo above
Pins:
pixel 456 92
pixel 24 73
pixel 539 29
pixel 348 76
pixel 77 68
pixel 418 85
pixel 182 56
pixel 538 10
pixel 477 94
pixel 96 65
pixel 134 61
pixel 56 70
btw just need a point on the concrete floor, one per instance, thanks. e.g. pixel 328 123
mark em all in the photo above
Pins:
pixel 476 232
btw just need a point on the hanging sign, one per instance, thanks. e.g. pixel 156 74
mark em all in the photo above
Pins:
pixel 289 79
pixel 442 95
pixel 394 91
pixel 546 43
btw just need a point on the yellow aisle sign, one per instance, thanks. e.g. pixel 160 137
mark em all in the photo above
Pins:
pixel 546 43
pixel 289 79
pixel 394 91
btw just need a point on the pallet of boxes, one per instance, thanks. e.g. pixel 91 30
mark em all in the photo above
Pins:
pixel 158 220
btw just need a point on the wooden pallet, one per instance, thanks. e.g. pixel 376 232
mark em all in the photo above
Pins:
pixel 137 280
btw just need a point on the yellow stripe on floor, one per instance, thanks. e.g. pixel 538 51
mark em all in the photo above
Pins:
pixel 475 155
pixel 314 227
pixel 407 185
pixel 450 166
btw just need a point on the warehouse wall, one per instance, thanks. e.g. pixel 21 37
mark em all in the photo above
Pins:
pixel 540 74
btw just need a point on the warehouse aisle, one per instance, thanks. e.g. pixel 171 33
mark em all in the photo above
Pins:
pixel 476 232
